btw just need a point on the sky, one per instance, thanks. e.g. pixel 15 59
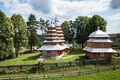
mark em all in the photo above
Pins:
pixel 66 10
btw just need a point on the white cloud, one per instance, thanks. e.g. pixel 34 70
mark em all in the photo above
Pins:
pixel 114 20
pixel 7 3
pixel 114 23
pixel 65 9
pixel 114 17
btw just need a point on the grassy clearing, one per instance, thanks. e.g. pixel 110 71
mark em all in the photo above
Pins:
pixel 30 58
pixel 118 50
pixel 69 56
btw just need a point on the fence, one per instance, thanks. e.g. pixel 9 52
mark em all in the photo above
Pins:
pixel 61 74
pixel 73 63
pixel 86 62
pixel 18 66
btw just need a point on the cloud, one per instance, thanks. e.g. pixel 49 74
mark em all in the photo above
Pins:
pixel 115 4
pixel 41 5
pixel 7 3
pixel 65 9
pixel 115 17
pixel 69 9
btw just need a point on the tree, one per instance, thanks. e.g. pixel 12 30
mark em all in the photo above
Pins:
pixel 20 28
pixel 81 28
pixel 6 37
pixel 66 31
pixel 94 22
pixel 80 24
pixel 43 26
pixel 33 37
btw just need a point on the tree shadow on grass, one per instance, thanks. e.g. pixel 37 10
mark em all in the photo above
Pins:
pixel 74 52
pixel 32 57
pixel 80 58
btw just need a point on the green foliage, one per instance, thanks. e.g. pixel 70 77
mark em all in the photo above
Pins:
pixel 66 32
pixel 6 36
pixel 75 44
pixel 80 24
pixel 81 27
pixel 94 22
pixel 33 37
pixel 21 34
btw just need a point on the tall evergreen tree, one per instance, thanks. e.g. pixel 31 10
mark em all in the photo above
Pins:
pixel 33 37
pixel 44 24
pixel 6 36
pixel 20 28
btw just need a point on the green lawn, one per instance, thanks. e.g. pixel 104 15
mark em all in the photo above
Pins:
pixel 30 58
pixel 109 75
pixel 118 50
pixel 69 56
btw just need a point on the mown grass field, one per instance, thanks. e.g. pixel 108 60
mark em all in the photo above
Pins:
pixel 23 59
pixel 31 58
pixel 69 56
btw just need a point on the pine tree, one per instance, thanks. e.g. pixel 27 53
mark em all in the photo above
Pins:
pixel 32 28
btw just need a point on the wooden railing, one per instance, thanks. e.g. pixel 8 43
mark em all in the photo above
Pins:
pixel 60 74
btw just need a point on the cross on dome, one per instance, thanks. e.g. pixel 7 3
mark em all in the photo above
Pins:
pixel 56 20
pixel 98 28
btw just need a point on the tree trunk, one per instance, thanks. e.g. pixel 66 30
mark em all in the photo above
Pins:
pixel 82 45
pixel 31 49
pixel 17 50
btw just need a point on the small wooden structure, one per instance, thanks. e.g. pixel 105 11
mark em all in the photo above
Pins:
pixel 99 45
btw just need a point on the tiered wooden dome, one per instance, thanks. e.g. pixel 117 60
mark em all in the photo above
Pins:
pixel 99 45
pixel 53 45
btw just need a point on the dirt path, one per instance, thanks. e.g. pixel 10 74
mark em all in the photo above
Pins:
pixel 68 56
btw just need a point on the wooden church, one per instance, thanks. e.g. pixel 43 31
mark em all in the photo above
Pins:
pixel 99 45
pixel 53 45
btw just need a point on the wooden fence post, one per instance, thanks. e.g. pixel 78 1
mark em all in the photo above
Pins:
pixel 62 74
pixel 44 76
pixel 109 60
pixel 56 64
pixel 20 67
pixel 27 77
pixel 114 67
pixel 98 69
pixel 79 73
pixel 9 78
pixel 70 63
pixel 83 62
